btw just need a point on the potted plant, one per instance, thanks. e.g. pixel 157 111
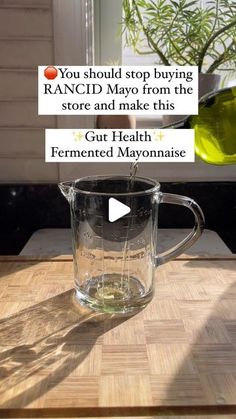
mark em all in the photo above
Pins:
pixel 185 32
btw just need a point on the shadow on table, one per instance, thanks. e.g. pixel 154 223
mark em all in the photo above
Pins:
pixel 205 381
pixel 59 335
pixel 10 265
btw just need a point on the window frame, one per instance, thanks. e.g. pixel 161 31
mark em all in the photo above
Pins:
pixel 69 26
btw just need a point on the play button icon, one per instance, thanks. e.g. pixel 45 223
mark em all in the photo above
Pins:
pixel 117 210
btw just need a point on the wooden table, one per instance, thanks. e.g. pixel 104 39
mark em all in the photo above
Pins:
pixel 178 356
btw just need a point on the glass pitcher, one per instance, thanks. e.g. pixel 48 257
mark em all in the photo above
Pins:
pixel 115 262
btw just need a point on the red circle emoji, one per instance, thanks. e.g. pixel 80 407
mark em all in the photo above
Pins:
pixel 50 72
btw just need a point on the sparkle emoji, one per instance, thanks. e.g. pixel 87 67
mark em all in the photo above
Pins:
pixel 158 135
pixel 78 136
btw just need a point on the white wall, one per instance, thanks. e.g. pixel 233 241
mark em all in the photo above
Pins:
pixel 26 41
pixel 32 33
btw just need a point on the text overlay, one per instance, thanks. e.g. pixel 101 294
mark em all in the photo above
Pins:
pixel 97 90
pixel 80 145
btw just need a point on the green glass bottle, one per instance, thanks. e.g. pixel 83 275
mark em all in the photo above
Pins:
pixel 215 127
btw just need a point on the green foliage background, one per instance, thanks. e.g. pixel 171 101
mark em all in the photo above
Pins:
pixel 183 32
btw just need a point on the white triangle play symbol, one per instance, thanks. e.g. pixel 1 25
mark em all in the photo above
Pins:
pixel 117 210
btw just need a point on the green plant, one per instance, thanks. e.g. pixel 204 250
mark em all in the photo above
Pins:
pixel 183 32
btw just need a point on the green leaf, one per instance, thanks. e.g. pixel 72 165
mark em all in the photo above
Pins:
pixel 174 3
pixel 188 5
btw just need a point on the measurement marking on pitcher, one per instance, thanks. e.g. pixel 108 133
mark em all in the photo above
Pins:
pixel 112 286
pixel 133 173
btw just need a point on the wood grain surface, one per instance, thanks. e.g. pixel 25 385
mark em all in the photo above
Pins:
pixel 177 356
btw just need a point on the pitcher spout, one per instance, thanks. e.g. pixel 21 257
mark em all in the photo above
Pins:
pixel 66 189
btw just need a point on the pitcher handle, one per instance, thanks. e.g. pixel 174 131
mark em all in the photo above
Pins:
pixel 166 198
